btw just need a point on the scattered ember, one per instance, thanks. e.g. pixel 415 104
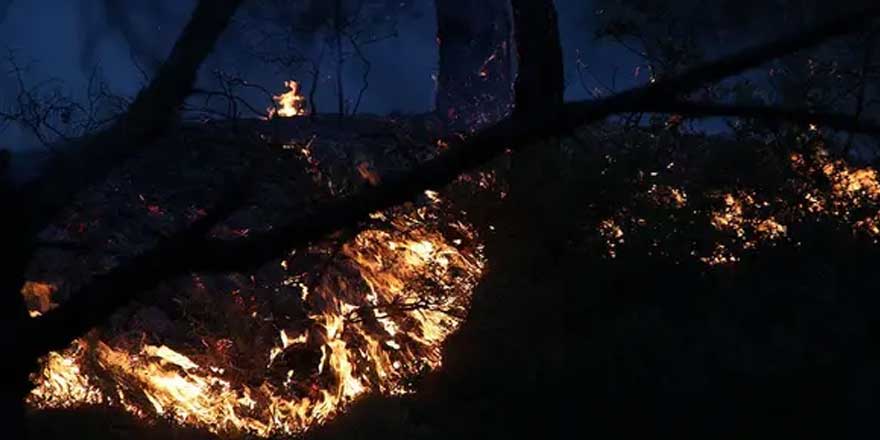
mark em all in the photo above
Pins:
pixel 377 321
pixel 155 210
pixel 613 235
pixel 62 383
pixel 821 188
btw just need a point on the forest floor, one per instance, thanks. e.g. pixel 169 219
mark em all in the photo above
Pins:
pixel 564 341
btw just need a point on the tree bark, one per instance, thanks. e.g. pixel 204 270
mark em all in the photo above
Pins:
pixel 540 79
pixel 474 78
pixel 539 89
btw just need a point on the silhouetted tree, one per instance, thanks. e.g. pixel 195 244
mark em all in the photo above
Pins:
pixel 670 36
pixel 539 89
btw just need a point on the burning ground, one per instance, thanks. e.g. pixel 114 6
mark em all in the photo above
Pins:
pixel 679 281
pixel 280 350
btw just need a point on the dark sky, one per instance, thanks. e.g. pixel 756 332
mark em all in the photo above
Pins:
pixel 49 37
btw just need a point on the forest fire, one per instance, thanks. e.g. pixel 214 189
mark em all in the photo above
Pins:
pixel 742 219
pixel 290 103
pixel 683 230
pixel 375 316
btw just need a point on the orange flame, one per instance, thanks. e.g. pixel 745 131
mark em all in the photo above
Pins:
pixel 290 103
pixel 373 334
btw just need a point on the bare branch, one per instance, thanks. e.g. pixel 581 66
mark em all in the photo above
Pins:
pixel 151 113
pixel 837 121
pixel 485 145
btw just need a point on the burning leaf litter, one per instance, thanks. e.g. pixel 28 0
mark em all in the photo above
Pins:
pixel 289 104
pixel 324 325
pixel 374 333
pixel 748 220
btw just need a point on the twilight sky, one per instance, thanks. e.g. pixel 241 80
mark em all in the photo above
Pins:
pixel 51 38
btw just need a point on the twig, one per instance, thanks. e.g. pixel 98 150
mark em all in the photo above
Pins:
pixel 837 121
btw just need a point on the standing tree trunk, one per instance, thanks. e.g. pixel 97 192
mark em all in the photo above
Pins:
pixel 474 81
pixel 540 80
pixel 539 89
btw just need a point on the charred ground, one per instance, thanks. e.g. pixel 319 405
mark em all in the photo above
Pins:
pixel 635 327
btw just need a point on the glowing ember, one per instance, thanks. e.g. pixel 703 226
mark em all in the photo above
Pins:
pixel 821 188
pixel 851 188
pixel 613 235
pixel 731 217
pixel 38 297
pixel 375 329
pixel 721 255
pixel 290 103
pixel 668 196
pixel 770 229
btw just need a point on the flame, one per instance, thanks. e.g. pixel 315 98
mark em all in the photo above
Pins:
pixel 613 235
pixel 740 216
pixel 720 255
pixel 374 333
pixel 851 188
pixel 484 69
pixel 288 104
pixel 821 188
pixel 731 217
pixel 38 296
pixel 286 342
pixel 669 196
pixel 62 382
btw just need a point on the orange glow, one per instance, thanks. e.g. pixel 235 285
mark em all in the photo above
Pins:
pixel 38 296
pixel 374 330
pixel 366 171
pixel 288 104
pixel 613 235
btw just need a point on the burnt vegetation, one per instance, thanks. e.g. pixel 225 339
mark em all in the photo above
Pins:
pixel 695 255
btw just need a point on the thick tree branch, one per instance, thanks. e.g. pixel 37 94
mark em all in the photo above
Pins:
pixel 151 113
pixel 33 207
pixel 107 293
pixel 507 134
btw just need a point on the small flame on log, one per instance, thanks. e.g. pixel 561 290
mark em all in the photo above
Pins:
pixel 288 104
